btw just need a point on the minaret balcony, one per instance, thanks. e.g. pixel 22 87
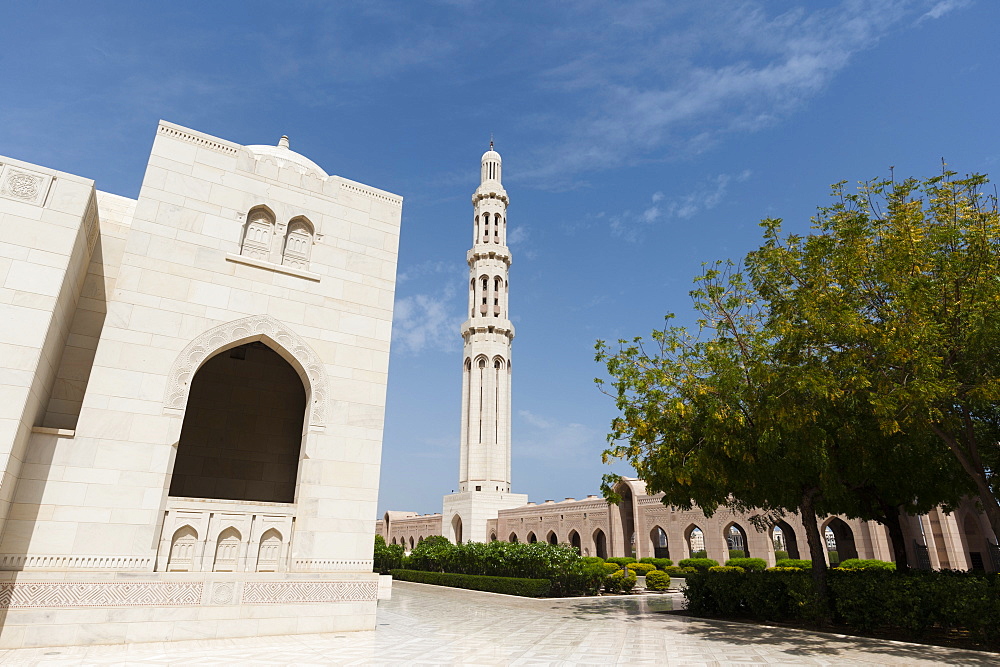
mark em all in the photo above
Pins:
pixel 487 325
pixel 488 251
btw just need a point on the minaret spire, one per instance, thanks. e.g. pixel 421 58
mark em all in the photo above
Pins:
pixel 484 463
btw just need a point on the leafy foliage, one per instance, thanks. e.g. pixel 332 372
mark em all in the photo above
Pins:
pixel 866 564
pixel 620 582
pixel 699 564
pixel 748 564
pixel 533 588
pixel 794 562
pixel 387 556
pixel 659 563
pixel 657 580
pixel 641 569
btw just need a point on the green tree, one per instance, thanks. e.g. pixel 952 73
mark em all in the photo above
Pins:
pixel 897 291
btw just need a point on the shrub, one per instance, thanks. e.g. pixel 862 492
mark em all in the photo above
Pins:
pixel 387 556
pixel 795 562
pixel 611 568
pixel 866 564
pixel 748 564
pixel 699 564
pixel 659 563
pixel 431 554
pixel 619 561
pixel 771 597
pixel 675 571
pixel 737 553
pixel 784 569
pixel 699 554
pixel 533 588
pixel 780 555
pixel 657 580
pixel 642 569
pixel 620 582
pixel 591 559
pixel 834 557
pixel 726 568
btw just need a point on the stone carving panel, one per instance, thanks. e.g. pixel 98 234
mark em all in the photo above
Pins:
pixel 288 592
pixel 99 594
pixel 245 330
pixel 24 185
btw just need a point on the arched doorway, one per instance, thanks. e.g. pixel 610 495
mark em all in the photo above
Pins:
pixel 695 538
pixel 783 539
pixel 513 538
pixel 658 537
pixel 552 538
pixel 493 537
pixel 736 541
pixel 600 544
pixel 839 540
pixel 531 538
pixel 456 528
pixel 242 431
pixel 574 540
pixel 975 544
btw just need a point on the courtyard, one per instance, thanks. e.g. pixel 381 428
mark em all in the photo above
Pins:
pixel 428 625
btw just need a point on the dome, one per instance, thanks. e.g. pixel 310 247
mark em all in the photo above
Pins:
pixel 492 156
pixel 283 155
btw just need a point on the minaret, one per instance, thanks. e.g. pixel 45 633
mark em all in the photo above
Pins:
pixel 484 460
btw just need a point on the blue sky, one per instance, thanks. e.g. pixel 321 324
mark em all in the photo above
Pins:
pixel 639 140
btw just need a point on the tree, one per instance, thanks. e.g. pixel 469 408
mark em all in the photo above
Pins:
pixel 898 290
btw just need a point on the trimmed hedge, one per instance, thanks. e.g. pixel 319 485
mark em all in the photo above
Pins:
pixel 780 555
pixel 619 582
pixel 737 553
pixel 621 560
pixel 642 569
pixel 726 568
pixel 866 564
pixel 699 564
pixel 657 580
pixel 591 559
pixel 864 600
pixel 531 588
pixel 748 564
pixel 611 568
pixel 794 562
pixel 658 563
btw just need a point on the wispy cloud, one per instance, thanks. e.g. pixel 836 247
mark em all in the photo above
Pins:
pixel 688 74
pixel 426 322
pixel 548 439
pixel 629 225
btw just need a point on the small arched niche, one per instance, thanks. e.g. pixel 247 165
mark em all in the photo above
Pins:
pixel 298 243
pixel 269 553
pixel 227 551
pixel 258 233
pixel 182 548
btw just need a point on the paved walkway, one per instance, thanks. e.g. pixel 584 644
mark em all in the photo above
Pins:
pixel 426 625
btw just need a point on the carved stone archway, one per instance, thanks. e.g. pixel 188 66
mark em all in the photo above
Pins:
pixel 264 328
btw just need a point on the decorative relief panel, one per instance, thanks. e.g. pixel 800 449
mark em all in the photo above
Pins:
pixel 287 592
pixel 315 565
pixel 250 328
pixel 24 185
pixel 18 563
pixel 91 224
pixel 99 594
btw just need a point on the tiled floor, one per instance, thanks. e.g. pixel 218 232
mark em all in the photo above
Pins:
pixel 425 625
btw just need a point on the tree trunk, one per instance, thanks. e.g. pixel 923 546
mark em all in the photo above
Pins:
pixel 991 506
pixel 892 523
pixel 818 555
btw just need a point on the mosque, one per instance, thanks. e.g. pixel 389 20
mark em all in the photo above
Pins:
pixel 640 525
pixel 193 391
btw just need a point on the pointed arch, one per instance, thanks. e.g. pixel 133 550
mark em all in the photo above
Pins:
pixel 227 550
pixel 269 551
pixel 736 538
pixel 182 548
pixel 552 538
pixel 269 331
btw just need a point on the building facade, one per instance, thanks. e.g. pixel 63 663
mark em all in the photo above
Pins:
pixel 640 525
pixel 194 390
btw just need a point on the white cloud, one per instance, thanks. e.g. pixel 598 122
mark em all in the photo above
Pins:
pixel 426 322
pixel 517 235
pixel 549 440
pixel 945 7
pixel 629 225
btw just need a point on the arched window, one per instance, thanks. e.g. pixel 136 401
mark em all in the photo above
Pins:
pixel 411 543
pixel 227 551
pixel 298 243
pixel 485 282
pixel 182 548
pixel 497 291
pixel 486 228
pixel 257 233
pixel 456 527
pixel 531 538
pixel 269 552
pixel 513 538
pixel 496 228
pixel 574 540
pixel 659 539
pixel 552 538
pixel 696 541
pixel 493 537
pixel 600 544
pixel 736 540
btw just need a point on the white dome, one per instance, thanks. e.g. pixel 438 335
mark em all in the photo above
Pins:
pixel 284 155
pixel 491 155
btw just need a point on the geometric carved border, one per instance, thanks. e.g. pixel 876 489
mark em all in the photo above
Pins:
pixel 99 594
pixel 288 592
pixel 248 329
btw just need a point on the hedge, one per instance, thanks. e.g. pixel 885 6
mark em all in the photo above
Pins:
pixel 726 568
pixel 531 588
pixel 866 564
pixel 642 569
pixel 622 560
pixel 794 562
pixel 657 581
pixel 864 600
pixel 700 564
pixel 737 553
pixel 659 563
pixel 748 564
pixel 619 582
